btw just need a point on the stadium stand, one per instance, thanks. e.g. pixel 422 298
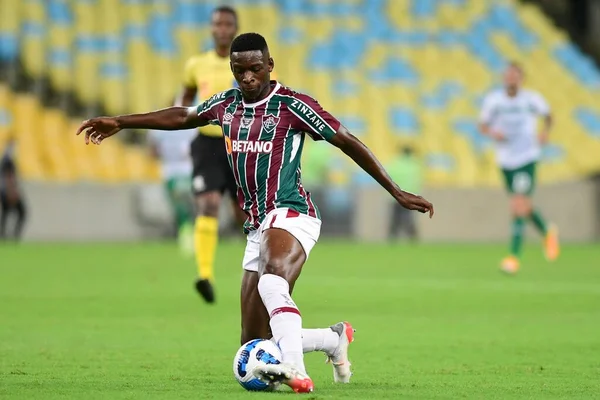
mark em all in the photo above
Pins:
pixel 397 72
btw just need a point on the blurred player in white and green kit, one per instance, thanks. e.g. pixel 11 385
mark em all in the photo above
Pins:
pixel 172 149
pixel 510 116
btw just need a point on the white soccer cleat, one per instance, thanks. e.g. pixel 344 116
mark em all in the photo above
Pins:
pixel 339 357
pixel 274 374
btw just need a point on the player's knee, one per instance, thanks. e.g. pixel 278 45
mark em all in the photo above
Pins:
pixel 274 266
pixel 207 204
pixel 521 206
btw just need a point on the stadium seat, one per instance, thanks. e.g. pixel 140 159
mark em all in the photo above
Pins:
pixel 406 71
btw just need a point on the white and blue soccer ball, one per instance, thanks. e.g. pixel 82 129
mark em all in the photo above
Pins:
pixel 249 356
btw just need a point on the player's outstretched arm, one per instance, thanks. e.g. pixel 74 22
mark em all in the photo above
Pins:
pixel 365 159
pixel 168 119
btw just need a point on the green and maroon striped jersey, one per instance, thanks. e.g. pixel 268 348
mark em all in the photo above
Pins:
pixel 264 143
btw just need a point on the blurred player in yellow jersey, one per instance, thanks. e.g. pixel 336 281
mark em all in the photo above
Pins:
pixel 205 74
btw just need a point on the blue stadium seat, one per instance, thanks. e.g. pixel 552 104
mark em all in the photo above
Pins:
pixel 9 46
pixel 5 117
pixel 423 8
pixel 59 12
pixel 191 14
pixel 33 29
pixel 342 87
pixel 579 64
pixel 115 70
pixel 134 31
pixel 355 124
pixel 589 119
pixel 343 51
pixel 442 95
pixel 395 69
pixel 87 43
pixel 449 38
pixel 412 38
pixel 60 57
pixel 468 128
pixel 553 153
pixel 292 7
pixel 404 120
pixel 419 75
pixel 160 35
pixel 440 161
pixel 289 35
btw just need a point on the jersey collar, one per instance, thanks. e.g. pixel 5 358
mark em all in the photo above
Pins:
pixel 263 101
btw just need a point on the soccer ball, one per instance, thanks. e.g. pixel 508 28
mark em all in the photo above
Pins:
pixel 250 355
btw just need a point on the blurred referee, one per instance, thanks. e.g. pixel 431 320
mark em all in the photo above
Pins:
pixel 11 199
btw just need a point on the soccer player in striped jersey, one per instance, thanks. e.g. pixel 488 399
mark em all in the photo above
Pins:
pixel 265 125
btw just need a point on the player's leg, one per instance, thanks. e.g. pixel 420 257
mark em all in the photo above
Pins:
pixel 177 189
pixel 395 222
pixel 408 223
pixel 4 209
pixel 255 319
pixel 21 211
pixel 521 184
pixel 334 342
pixel 208 185
pixel 548 231
pixel 281 261
pixel 517 185
pixel 206 237
pixel 413 232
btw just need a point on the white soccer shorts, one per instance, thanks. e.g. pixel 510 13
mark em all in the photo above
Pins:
pixel 304 228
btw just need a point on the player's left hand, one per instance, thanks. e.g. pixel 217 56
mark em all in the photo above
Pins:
pixel 98 129
pixel 415 202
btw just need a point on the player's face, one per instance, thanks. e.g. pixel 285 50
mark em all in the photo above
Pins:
pixel 224 27
pixel 513 78
pixel 252 71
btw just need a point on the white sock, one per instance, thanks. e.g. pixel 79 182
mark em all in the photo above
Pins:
pixel 286 322
pixel 324 340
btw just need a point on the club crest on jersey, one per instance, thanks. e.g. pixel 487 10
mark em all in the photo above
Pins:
pixel 269 122
pixel 227 118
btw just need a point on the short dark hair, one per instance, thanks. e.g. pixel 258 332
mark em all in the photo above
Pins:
pixel 228 10
pixel 249 42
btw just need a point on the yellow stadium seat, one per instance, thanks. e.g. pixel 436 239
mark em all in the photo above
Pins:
pixel 11 14
pixel 75 57
pixel 85 76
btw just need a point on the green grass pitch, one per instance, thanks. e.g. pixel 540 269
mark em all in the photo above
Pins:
pixel 121 321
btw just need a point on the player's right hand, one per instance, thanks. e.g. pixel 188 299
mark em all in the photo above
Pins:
pixel 415 202
pixel 98 129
